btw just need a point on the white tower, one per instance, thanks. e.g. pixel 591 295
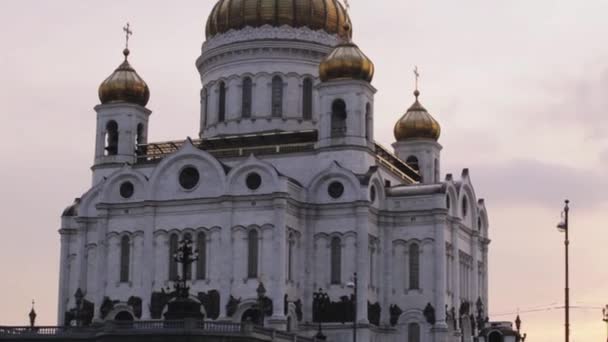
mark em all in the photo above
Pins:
pixel 346 97
pixel 417 133
pixel 122 118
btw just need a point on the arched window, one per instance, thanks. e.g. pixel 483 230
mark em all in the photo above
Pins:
pixel 465 207
pixel 336 261
pixel 172 253
pixel 247 97
pixel 338 119
pixel 188 275
pixel 437 174
pixel 479 225
pixel 221 111
pixel 307 99
pixel 495 336
pixel 413 332
pixel 277 97
pixel 368 122
pixel 448 202
pixel 205 103
pixel 201 263
pixel 111 138
pixel 291 242
pixel 412 162
pixel 125 254
pixel 252 254
pixel 414 264
pixel 139 139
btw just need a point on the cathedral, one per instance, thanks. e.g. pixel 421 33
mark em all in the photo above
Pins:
pixel 298 220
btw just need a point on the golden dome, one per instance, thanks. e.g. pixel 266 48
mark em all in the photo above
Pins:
pixel 417 123
pixel 124 85
pixel 328 15
pixel 346 61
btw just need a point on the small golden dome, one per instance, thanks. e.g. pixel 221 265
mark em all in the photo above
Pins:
pixel 346 61
pixel 124 85
pixel 327 15
pixel 417 123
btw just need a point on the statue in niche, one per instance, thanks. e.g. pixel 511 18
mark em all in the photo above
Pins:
pixel 395 312
pixel 373 313
pixel 106 306
pixel 429 314
pixel 211 302
pixel 299 312
pixel 326 311
pixel 135 303
pixel 82 315
pixel 158 302
pixel 232 306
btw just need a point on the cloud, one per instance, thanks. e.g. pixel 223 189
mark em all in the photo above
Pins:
pixel 539 183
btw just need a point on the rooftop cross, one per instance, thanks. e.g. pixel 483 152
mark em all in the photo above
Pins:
pixel 417 74
pixel 128 33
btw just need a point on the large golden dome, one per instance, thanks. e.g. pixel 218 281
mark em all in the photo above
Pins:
pixel 346 61
pixel 417 123
pixel 328 15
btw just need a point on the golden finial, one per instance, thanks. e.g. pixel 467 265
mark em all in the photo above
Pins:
pixel 128 33
pixel 417 76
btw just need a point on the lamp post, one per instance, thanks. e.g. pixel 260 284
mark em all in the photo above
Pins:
pixel 353 285
pixel 319 306
pixel 563 227
pixel 605 319
pixel 32 316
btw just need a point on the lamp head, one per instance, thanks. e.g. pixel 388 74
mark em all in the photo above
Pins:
pixel 561 226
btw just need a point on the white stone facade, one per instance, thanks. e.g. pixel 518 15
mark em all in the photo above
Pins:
pixel 411 243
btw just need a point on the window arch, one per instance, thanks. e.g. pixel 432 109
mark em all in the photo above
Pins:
pixel 111 138
pixel 465 207
pixel 413 332
pixel 247 98
pixel 414 265
pixel 201 263
pixel 125 256
pixel 495 336
pixel 368 122
pixel 412 161
pixel 252 253
pixel 172 254
pixel 338 118
pixel 336 260
pixel 277 97
pixel 307 99
pixel 221 112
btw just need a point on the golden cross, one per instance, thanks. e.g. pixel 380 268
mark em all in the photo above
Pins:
pixel 417 74
pixel 128 32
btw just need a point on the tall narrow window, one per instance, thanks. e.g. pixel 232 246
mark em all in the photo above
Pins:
pixel 465 207
pixel 247 97
pixel 414 267
pixel 252 254
pixel 437 171
pixel 412 162
pixel 188 275
pixel 291 242
pixel 221 111
pixel 413 332
pixel 277 97
pixel 172 253
pixel 338 119
pixel 368 122
pixel 201 263
pixel 125 253
pixel 139 139
pixel 205 104
pixel 336 261
pixel 307 99
pixel 111 138
pixel 371 267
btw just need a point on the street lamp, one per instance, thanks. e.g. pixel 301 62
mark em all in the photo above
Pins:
pixel 563 227
pixel 605 318
pixel 353 285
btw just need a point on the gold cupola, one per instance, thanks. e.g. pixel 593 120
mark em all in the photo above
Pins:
pixel 346 61
pixel 327 15
pixel 124 85
pixel 417 123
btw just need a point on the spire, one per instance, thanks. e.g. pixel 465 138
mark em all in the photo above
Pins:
pixel 32 315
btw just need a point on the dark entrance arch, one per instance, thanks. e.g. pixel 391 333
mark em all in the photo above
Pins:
pixel 252 315
pixel 124 316
pixel 495 336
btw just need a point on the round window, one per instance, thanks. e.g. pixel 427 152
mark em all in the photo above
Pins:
pixel 372 194
pixel 253 181
pixel 335 190
pixel 127 189
pixel 189 178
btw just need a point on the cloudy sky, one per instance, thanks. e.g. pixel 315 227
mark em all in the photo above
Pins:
pixel 520 88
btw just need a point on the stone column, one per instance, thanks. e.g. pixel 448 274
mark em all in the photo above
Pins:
pixel 456 267
pixel 440 330
pixel 149 262
pixel 476 293
pixel 102 256
pixel 63 276
pixel 362 261
pixel 226 276
pixel 308 274
pixel 278 278
pixel 387 267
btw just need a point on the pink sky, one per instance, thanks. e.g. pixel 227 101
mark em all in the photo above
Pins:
pixel 519 87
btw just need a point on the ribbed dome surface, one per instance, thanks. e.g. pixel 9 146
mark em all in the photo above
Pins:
pixel 417 123
pixel 346 61
pixel 327 15
pixel 124 85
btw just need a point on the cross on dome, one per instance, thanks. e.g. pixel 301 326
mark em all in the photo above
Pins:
pixel 128 32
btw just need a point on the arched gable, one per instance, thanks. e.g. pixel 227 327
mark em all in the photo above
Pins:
pixel 376 189
pixel 318 188
pixel 242 179
pixel 112 186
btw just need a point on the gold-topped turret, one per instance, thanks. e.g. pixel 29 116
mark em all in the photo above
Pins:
pixel 417 123
pixel 124 85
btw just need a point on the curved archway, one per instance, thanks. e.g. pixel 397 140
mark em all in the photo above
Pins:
pixel 124 316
